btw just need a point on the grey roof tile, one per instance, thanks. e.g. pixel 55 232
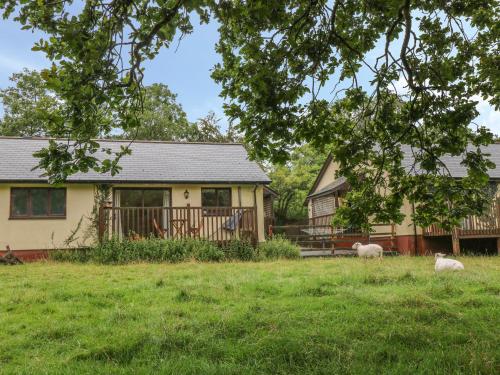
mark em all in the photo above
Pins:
pixel 337 184
pixel 453 163
pixel 156 162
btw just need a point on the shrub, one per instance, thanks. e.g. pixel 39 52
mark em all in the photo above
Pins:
pixel 279 248
pixel 208 252
pixel 149 250
pixel 73 256
pixel 117 251
pixel 240 250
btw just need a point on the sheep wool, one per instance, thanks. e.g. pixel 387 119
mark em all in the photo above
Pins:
pixel 443 264
pixel 370 250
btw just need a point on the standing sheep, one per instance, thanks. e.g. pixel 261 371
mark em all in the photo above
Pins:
pixel 443 264
pixel 370 250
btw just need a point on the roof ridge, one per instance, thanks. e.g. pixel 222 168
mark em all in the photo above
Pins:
pixel 125 141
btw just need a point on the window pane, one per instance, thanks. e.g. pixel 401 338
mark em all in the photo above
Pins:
pixel 153 198
pixel 208 197
pixel 57 202
pixel 131 198
pixel 224 196
pixel 19 202
pixel 39 202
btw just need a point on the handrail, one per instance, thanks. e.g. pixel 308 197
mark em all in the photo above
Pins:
pixel 473 225
pixel 218 224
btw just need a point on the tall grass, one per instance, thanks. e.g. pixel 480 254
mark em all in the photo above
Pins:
pixel 279 248
pixel 157 250
pixel 336 316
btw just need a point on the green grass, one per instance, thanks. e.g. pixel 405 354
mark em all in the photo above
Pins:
pixel 288 317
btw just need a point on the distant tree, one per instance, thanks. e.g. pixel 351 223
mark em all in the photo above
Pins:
pixel 29 109
pixel 162 118
pixel 209 130
pixel 293 180
pixel 28 106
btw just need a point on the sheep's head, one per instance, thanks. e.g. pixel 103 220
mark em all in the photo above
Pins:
pixel 439 255
pixel 356 245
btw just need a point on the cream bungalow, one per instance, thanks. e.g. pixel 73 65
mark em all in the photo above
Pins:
pixel 167 189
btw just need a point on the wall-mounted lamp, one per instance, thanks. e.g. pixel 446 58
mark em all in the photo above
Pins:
pixel 186 194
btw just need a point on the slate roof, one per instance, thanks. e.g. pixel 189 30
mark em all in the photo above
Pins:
pixel 151 162
pixel 452 163
pixel 338 184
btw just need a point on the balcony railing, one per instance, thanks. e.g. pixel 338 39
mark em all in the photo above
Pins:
pixel 487 224
pixel 218 224
pixel 321 220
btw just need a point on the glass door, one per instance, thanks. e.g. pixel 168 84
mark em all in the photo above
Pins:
pixel 141 209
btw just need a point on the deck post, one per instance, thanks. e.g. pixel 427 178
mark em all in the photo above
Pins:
pixel 100 232
pixel 498 245
pixel 455 241
pixel 188 220
pixel 393 237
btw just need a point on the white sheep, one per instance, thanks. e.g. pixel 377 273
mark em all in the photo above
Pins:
pixel 443 264
pixel 370 250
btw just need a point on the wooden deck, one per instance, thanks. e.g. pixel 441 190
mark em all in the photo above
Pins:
pixel 486 225
pixel 216 224
pixel 319 239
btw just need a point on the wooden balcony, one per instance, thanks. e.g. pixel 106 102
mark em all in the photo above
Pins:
pixel 217 224
pixel 321 220
pixel 486 225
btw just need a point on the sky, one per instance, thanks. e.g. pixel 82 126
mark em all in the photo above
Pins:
pixel 186 70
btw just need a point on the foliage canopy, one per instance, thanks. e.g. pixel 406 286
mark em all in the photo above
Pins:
pixel 324 72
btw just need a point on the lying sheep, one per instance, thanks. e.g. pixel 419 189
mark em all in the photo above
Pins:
pixel 443 264
pixel 370 250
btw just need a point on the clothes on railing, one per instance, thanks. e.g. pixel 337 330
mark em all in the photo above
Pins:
pixel 233 222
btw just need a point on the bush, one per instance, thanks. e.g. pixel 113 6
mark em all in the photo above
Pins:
pixel 279 248
pixel 157 250
pixel 149 250
pixel 73 256
pixel 240 250
pixel 117 251
pixel 208 252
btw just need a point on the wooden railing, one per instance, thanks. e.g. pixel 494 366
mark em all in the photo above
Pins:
pixel 326 237
pixel 321 220
pixel 487 224
pixel 218 224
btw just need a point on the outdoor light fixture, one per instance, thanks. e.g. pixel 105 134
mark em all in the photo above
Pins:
pixel 186 194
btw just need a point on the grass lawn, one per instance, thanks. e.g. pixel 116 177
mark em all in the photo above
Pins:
pixel 289 317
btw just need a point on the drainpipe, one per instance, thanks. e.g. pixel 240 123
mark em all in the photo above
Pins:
pixel 255 213
pixel 415 237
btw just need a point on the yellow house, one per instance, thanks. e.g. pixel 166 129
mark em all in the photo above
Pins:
pixel 477 233
pixel 167 189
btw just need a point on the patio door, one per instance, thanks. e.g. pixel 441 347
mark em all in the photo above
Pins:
pixel 141 207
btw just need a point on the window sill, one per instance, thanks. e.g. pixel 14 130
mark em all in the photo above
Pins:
pixel 38 218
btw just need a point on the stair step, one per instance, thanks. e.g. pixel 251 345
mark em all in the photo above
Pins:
pixel 344 252
pixel 315 253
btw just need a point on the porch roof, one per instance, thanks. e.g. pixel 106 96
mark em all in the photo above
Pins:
pixel 339 184
pixel 150 162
